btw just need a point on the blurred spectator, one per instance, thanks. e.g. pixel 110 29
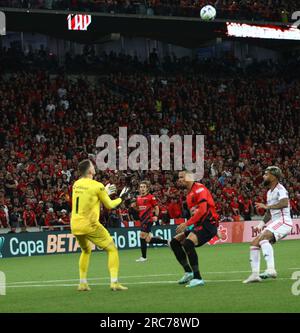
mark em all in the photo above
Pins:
pixel 29 218
pixel 295 205
pixel 64 217
pixel 50 219
pixel 40 213
pixel 163 211
pixel 14 218
pixel 235 209
pixel 114 219
pixel 246 206
pixel 174 209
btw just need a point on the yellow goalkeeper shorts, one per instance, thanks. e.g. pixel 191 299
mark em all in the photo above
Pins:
pixel 100 237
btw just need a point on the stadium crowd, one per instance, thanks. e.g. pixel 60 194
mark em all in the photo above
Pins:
pixel 249 114
pixel 267 10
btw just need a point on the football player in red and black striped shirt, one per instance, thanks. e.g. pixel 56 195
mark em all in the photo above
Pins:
pixel 148 210
pixel 198 230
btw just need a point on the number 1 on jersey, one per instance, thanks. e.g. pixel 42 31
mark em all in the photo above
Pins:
pixel 77 205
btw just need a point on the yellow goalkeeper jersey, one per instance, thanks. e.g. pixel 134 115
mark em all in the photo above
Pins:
pixel 87 195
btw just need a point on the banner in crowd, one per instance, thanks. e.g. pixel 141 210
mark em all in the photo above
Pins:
pixel 57 242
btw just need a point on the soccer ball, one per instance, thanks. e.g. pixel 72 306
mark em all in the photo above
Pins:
pixel 208 13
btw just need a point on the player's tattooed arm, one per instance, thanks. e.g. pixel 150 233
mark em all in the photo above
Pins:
pixel 283 203
pixel 267 217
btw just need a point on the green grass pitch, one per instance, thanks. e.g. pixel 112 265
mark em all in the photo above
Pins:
pixel 48 283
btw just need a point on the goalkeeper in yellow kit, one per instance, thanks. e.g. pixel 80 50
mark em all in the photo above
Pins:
pixel 86 198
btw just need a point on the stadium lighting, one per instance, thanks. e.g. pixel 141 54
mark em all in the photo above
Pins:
pixel 267 32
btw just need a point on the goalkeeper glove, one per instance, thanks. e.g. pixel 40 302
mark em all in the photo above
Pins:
pixel 110 189
pixel 124 193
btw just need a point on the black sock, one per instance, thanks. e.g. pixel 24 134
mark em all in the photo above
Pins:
pixel 143 247
pixel 180 254
pixel 189 247
pixel 158 240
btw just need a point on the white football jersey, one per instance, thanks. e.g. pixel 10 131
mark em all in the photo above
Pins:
pixel 273 197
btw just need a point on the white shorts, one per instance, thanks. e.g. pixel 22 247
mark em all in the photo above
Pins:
pixel 280 229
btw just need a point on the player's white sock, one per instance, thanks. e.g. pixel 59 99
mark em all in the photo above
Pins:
pixel 83 280
pixel 113 280
pixel 255 259
pixel 267 250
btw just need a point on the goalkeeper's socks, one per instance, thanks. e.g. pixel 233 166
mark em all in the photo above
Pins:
pixel 158 240
pixel 143 247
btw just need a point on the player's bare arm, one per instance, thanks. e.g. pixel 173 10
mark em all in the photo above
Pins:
pixel 283 203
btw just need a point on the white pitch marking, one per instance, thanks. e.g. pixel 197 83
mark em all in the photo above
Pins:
pixel 100 278
pixel 127 277
pixel 128 283
pixel 122 277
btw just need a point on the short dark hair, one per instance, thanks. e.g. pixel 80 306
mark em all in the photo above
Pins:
pixel 83 166
pixel 186 170
pixel 189 173
pixel 146 182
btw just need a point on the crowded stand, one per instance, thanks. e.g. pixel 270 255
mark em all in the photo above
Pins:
pixel 50 120
pixel 266 10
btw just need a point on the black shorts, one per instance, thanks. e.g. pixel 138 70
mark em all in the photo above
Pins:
pixel 205 232
pixel 146 227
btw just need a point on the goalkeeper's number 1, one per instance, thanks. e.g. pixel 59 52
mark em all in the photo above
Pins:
pixel 77 205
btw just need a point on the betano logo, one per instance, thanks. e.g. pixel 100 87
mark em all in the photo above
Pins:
pixel 2 240
pixel 79 22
